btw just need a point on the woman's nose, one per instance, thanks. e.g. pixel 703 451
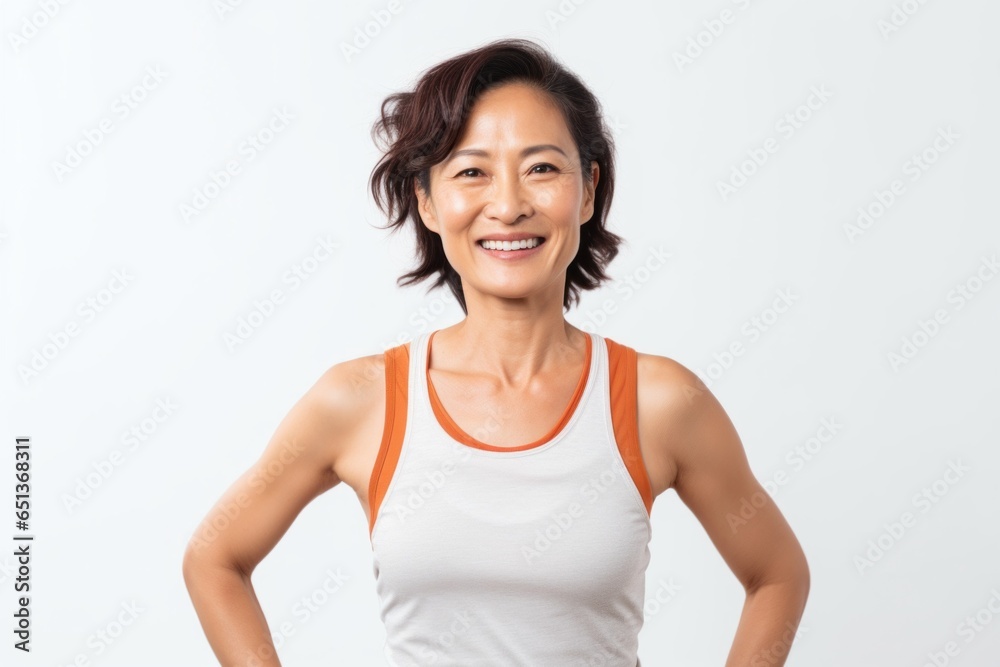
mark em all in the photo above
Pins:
pixel 508 199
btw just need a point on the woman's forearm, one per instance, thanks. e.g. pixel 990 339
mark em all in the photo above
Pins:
pixel 230 615
pixel 768 625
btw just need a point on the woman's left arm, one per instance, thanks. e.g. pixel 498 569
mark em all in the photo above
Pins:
pixel 689 437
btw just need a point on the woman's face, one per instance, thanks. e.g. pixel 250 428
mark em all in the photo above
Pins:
pixel 515 172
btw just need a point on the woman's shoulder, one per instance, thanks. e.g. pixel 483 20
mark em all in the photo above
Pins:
pixel 666 387
pixel 661 376
pixel 672 403
pixel 663 373
pixel 345 397
pixel 357 385
pixel 347 402
pixel 351 385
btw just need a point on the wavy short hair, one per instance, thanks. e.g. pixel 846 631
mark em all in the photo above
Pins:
pixel 418 129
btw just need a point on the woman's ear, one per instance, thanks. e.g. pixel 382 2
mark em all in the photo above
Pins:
pixel 424 207
pixel 589 192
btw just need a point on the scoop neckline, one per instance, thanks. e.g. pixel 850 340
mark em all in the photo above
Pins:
pixel 454 430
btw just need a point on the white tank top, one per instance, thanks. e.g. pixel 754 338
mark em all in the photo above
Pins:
pixel 531 555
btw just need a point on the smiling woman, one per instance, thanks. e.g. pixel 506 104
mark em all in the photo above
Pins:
pixel 507 464
pixel 515 87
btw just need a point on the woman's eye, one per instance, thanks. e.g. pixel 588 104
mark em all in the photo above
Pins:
pixel 475 171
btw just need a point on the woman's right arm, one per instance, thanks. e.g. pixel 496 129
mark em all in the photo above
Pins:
pixel 255 512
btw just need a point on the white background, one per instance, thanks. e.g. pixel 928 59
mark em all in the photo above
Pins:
pixel 681 129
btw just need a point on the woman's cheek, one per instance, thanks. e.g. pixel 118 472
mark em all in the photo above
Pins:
pixel 457 206
pixel 556 198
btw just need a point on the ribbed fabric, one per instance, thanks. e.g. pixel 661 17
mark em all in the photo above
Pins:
pixel 527 556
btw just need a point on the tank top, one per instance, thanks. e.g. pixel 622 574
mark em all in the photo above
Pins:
pixel 528 555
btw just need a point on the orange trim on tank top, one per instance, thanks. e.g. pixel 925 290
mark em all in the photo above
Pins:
pixel 397 366
pixel 622 369
pixel 455 431
pixel 622 373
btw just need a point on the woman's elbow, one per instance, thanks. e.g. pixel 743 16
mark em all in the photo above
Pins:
pixel 799 580
pixel 200 559
pixel 192 564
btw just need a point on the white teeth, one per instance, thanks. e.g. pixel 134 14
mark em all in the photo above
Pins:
pixel 511 245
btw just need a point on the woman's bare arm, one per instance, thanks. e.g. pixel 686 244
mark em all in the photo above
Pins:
pixel 255 512
pixel 713 478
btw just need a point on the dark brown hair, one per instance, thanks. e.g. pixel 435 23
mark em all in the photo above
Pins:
pixel 418 129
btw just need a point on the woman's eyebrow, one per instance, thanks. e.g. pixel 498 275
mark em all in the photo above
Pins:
pixel 530 150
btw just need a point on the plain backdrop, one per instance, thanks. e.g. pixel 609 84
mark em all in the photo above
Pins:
pixel 821 176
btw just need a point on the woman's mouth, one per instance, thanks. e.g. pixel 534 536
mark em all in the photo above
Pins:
pixel 511 245
pixel 511 249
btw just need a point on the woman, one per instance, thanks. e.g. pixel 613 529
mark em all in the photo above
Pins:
pixel 506 464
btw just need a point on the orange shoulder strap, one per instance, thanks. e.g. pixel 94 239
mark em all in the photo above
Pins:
pixel 625 415
pixel 397 368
